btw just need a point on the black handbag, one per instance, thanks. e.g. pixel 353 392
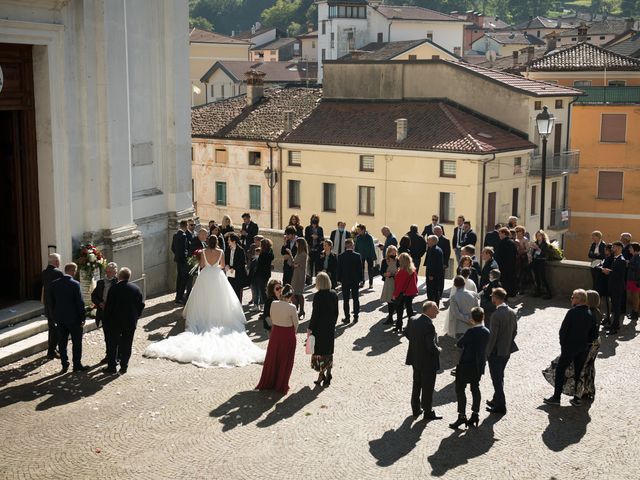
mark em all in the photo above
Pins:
pixel 376 269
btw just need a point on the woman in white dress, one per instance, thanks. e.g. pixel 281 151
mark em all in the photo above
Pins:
pixel 215 333
pixel 450 326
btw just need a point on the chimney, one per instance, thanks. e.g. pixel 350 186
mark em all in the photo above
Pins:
pixel 628 23
pixel 531 50
pixel 355 54
pixel 552 42
pixel 288 121
pixel 582 32
pixel 514 54
pixel 255 86
pixel 457 51
pixel 401 129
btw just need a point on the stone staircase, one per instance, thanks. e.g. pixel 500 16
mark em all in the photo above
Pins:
pixel 24 331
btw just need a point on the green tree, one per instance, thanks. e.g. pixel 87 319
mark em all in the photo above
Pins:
pixel 630 7
pixel 282 14
pixel 294 29
pixel 201 23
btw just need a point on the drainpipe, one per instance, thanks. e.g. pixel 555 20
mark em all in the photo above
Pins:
pixel 280 177
pixel 569 121
pixel 389 33
pixel 484 194
pixel 274 186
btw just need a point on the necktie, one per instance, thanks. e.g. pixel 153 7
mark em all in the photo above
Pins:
pixel 340 244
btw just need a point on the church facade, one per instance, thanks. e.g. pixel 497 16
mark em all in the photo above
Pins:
pixel 94 135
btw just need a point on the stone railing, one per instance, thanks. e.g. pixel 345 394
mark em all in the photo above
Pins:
pixel 567 275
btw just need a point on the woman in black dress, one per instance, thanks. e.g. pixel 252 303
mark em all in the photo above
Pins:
pixel 294 221
pixel 226 226
pixel 602 283
pixel 405 245
pixel 540 255
pixel 323 327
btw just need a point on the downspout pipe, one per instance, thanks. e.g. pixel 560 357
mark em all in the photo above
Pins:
pixel 484 195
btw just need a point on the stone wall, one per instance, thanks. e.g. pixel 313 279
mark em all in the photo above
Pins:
pixel 567 275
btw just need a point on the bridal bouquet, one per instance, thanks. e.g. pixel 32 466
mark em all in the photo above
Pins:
pixel 90 258
pixel 194 262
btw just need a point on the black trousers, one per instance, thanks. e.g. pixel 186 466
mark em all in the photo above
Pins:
pixel 433 290
pixel 461 386
pixel 53 337
pixel 181 279
pixel 564 361
pixel 369 262
pixel 75 331
pixel 237 288
pixel 351 291
pixel 120 342
pixel 540 274
pixel 497 364
pixel 287 274
pixel 407 304
pixel 617 306
pixel 424 381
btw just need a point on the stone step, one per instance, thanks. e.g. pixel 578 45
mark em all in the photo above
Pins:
pixel 32 345
pixel 23 330
pixel 20 312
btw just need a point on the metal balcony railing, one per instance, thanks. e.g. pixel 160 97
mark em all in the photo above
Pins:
pixel 557 164
pixel 559 218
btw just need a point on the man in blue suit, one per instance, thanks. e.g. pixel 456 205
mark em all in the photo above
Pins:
pixel 350 275
pixel 434 264
pixel 67 308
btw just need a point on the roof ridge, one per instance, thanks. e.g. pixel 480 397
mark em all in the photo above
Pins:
pixel 459 127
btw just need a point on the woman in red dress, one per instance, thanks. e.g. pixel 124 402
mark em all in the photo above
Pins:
pixel 281 351
pixel 406 288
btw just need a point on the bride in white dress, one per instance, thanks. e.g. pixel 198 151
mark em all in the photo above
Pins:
pixel 215 333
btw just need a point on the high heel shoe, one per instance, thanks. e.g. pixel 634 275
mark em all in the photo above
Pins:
pixel 327 380
pixel 462 420
pixel 320 380
pixel 473 420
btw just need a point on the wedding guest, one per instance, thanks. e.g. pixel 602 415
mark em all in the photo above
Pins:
pixel 423 355
pixel 388 271
pixel 405 289
pixel 50 275
pixel 191 230
pixel 67 309
pixel 460 306
pixel 470 238
pixel 235 262
pixel 492 238
pixel 428 229
pixel 281 350
pixel 264 268
pixel 434 269
pixel 350 275
pixel 274 289
pixel 625 239
pixel 314 235
pixel 251 274
pixel 633 280
pixel 99 299
pixel 199 242
pixel 255 245
pixel 465 268
pixel 476 269
pixel 405 245
pixel 503 331
pixel 603 283
pixel 445 245
pixel 298 279
pixel 596 255
pixel 323 327
pixel 617 276
pixel 122 312
pixel 505 254
pixel 248 230
pixel 486 299
pixel 470 368
pixel 390 239
pixel 288 251
pixel 226 226
pixel 180 249
pixel 294 221
pixel 458 237
pixel 586 385
pixel 577 333
pixel 328 263
pixel 216 231
pixel 540 255
pixel 191 240
pixel 338 237
pixel 417 244
pixel 523 270
pixel 367 250
pixel 488 264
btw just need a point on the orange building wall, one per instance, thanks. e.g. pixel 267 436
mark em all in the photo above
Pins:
pixel 612 217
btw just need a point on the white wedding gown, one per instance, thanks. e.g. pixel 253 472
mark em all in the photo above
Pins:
pixel 215 333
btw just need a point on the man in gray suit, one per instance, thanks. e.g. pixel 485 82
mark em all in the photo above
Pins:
pixel 461 304
pixel 504 328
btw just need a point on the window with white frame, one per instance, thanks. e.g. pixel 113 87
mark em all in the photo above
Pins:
pixel 366 200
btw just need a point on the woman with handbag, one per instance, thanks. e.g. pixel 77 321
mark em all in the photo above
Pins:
pixel 298 280
pixel 323 328
pixel 471 368
pixel 405 289
pixel 388 271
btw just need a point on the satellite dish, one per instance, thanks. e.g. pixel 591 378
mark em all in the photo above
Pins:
pixel 490 55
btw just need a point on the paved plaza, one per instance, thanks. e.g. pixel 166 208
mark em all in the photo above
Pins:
pixel 164 420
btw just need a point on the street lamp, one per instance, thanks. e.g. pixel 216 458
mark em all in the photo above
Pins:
pixel 272 178
pixel 545 122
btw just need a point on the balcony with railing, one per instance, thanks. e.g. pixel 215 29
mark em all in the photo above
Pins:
pixel 559 218
pixel 617 94
pixel 557 164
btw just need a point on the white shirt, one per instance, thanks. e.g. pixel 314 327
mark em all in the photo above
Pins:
pixel 232 253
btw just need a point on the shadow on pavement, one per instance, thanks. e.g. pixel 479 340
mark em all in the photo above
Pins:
pixel 290 406
pixel 26 370
pixel 396 443
pixel 244 408
pixel 378 340
pixel 567 425
pixel 463 445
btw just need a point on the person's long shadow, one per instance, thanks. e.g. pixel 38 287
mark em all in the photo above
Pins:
pixel 461 446
pixel 244 408
pixel 343 327
pixel 56 389
pixel 608 346
pixel 446 394
pixel 396 443
pixel 290 406
pixel 173 318
pixel 567 426
pixel 450 354
pixel 23 371
pixel 379 340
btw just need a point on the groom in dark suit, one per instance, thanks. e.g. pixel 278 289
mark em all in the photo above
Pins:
pixel 180 249
pixel 67 308
pixel 124 307
pixel 434 264
pixel 424 356
pixel 350 275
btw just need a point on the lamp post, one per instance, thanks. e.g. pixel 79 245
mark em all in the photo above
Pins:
pixel 545 122
pixel 272 178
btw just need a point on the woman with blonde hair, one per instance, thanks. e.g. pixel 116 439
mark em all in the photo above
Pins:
pixel 388 271
pixel 323 328
pixel 405 289
pixel 298 279
pixel 226 226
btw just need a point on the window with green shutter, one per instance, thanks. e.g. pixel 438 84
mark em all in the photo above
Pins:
pixel 221 193
pixel 255 197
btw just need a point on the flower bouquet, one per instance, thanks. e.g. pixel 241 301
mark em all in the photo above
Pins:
pixel 194 262
pixel 90 259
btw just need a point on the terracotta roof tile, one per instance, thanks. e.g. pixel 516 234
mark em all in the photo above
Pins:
pixel 432 126
pixel 604 27
pixel 275 72
pixel 514 38
pixel 630 46
pixel 275 44
pixel 389 50
pixel 197 35
pixel 584 57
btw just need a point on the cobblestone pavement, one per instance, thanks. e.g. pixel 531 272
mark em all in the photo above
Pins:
pixel 168 420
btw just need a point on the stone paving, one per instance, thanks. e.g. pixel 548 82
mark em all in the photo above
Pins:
pixel 169 420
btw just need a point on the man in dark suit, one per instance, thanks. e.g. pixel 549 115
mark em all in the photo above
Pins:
pixel 445 245
pixel 434 270
pixel 180 249
pixel 236 265
pixel 50 275
pixel 67 308
pixel 579 329
pixel 492 238
pixel 418 245
pixel 350 275
pixel 616 281
pixel 124 307
pixel 314 236
pixel 458 236
pixel 248 230
pixel 506 254
pixel 488 264
pixel 428 229
pixel 423 355
pixel 328 262
pixel 338 237
pixel 503 331
pixel 99 299
pixel 290 237
pixel 389 239
pixel 470 237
